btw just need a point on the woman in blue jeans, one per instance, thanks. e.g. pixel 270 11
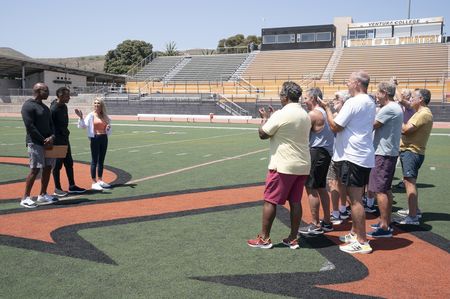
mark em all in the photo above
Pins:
pixel 98 126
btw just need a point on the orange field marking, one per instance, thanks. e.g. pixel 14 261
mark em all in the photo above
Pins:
pixel 401 267
pixel 23 225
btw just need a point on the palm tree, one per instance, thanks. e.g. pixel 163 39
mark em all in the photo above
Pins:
pixel 171 49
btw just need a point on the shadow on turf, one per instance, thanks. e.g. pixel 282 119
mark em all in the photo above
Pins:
pixel 123 185
pixel 396 189
pixel 74 201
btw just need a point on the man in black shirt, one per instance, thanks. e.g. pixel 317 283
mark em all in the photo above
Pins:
pixel 40 133
pixel 60 119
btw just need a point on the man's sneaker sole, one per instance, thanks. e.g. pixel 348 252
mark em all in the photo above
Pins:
pixel 46 202
pixel 268 246
pixel 367 251
pixel 311 233
pixel 337 221
pixel 291 246
pixel 379 236
pixel 32 206
pixel 404 214
pixel 311 230
pixel 402 222
pixel 60 194
pixel 76 192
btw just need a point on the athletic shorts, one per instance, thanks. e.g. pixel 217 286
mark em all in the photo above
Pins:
pixel 381 175
pixel 411 163
pixel 281 187
pixel 352 175
pixel 320 161
pixel 36 153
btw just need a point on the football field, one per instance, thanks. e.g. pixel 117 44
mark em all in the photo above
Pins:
pixel 185 198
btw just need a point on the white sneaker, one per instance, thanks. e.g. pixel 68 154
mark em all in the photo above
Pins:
pixel 405 212
pixel 28 203
pixel 356 247
pixel 103 184
pixel 96 186
pixel 348 238
pixel 408 220
pixel 46 199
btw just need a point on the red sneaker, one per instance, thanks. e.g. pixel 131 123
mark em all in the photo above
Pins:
pixel 293 244
pixel 259 242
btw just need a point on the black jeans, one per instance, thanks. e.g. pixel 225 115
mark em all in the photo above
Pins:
pixel 68 165
pixel 99 145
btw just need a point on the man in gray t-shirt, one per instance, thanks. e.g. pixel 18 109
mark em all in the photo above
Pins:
pixel 387 126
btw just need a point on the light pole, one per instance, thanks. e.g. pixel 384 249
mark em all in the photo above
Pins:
pixel 409 9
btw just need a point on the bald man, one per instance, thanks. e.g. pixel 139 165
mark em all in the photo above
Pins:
pixel 40 133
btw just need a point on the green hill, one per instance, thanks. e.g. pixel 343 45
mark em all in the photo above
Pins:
pixel 89 63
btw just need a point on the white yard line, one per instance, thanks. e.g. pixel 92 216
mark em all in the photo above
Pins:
pixel 196 166
pixel 187 127
pixel 163 143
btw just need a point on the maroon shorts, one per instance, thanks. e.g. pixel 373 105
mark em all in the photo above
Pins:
pixel 381 175
pixel 281 187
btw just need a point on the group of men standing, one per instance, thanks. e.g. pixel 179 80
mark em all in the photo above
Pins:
pixel 46 127
pixel 362 146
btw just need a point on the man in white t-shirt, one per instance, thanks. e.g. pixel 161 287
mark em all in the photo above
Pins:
pixel 289 166
pixel 354 154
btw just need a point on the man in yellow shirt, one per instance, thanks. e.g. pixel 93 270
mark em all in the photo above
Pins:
pixel 290 162
pixel 415 134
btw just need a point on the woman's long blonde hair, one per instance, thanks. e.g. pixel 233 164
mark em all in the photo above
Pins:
pixel 103 115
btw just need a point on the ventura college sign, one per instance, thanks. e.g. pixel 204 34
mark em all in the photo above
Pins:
pixel 420 39
pixel 396 22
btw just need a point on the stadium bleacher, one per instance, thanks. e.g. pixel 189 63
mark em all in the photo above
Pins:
pixel 210 68
pixel 158 68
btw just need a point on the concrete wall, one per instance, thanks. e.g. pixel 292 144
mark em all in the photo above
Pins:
pixel 56 80
pixel 6 84
pixel 33 79
pixel 341 24
pixel 13 104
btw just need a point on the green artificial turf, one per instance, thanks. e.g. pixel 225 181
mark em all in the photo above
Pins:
pixel 158 259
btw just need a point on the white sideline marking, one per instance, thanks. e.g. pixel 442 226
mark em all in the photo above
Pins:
pixel 206 156
pixel 133 151
pixel 188 127
pixel 196 166
pixel 156 153
pixel 181 154
pixel 432 168
pixel 163 143
pixel 264 158
pixel 439 134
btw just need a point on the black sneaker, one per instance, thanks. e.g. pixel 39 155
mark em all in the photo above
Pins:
pixel 400 185
pixel 336 220
pixel 327 227
pixel 59 192
pixel 370 209
pixel 311 229
pixel 344 215
pixel 76 189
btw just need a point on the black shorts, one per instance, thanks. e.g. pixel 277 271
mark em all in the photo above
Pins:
pixel 320 161
pixel 352 175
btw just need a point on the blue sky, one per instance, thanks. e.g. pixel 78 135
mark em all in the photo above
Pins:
pixel 58 28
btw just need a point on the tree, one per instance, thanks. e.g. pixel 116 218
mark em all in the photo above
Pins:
pixel 171 49
pixel 238 40
pixel 126 55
